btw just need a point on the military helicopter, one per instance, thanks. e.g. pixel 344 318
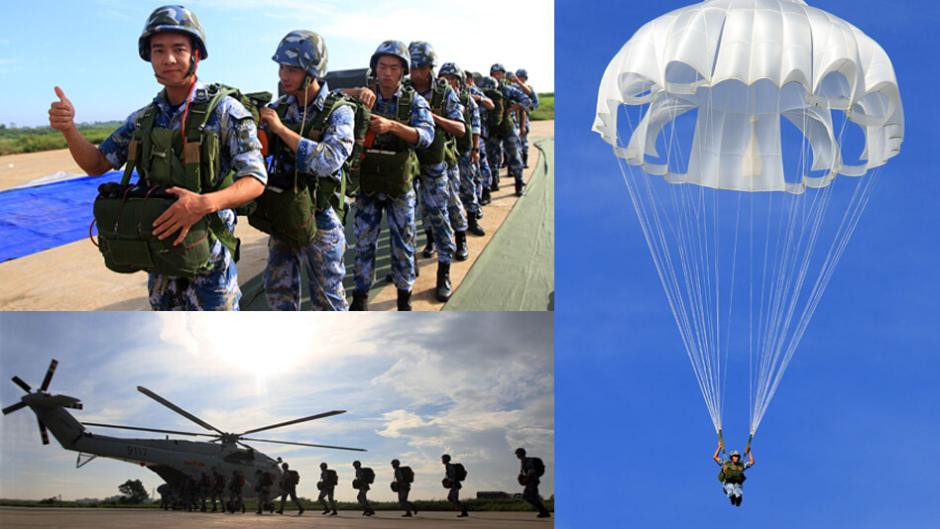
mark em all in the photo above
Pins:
pixel 173 460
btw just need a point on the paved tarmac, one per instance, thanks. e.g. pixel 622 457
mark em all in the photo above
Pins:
pixel 75 518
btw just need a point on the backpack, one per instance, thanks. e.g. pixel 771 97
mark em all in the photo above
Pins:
pixel 465 142
pixel 460 473
pixel 538 466
pixel 332 479
pixel 368 475
pixel 293 477
pixel 408 474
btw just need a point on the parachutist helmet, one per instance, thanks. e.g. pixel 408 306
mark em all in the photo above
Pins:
pixel 488 83
pixel 322 466
pixel 422 54
pixel 520 451
pixel 395 463
pixel 176 19
pixel 449 68
pixel 395 48
pixel 522 74
pixel 497 67
pixel 303 49
pixel 445 458
pixel 734 453
pixel 357 464
pixel 284 465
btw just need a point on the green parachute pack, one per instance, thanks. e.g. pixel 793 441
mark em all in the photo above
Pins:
pixel 465 143
pixel 125 212
pixel 289 214
pixel 444 147
pixel 732 473
pixel 390 164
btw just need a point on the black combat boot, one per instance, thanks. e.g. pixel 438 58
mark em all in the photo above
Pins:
pixel 461 253
pixel 519 187
pixel 485 198
pixel 474 227
pixel 463 514
pixel 360 301
pixel 429 245
pixel 443 290
pixel 404 300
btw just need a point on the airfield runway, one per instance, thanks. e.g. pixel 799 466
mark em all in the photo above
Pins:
pixel 77 518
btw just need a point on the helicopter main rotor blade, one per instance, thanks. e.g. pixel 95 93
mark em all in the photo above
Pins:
pixel 13 407
pixel 177 409
pixel 19 382
pixel 305 444
pixel 156 430
pixel 295 421
pixel 49 373
pixel 42 432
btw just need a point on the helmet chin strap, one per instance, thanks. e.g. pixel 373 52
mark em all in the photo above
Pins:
pixel 193 65
pixel 303 122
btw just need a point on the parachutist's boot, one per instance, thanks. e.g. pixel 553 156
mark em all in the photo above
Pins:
pixel 360 301
pixel 404 300
pixel 325 511
pixel 443 289
pixel 334 513
pixel 544 514
pixel 462 252
pixel 463 514
pixel 429 245
pixel 474 227
pixel 406 515
pixel 519 187
pixel 485 198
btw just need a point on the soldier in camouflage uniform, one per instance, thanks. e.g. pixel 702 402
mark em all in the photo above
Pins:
pixel 454 486
pixel 507 143
pixel 389 64
pixel 439 184
pixel 404 488
pixel 363 490
pixel 484 104
pixel 326 491
pixel 529 470
pixel 302 56
pixel 522 78
pixel 173 42
pixel 467 159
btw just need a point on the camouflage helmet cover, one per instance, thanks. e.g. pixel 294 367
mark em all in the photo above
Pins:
pixel 488 83
pixel 177 19
pixel 395 48
pixel 734 453
pixel 497 67
pixel 522 74
pixel 422 54
pixel 449 68
pixel 303 49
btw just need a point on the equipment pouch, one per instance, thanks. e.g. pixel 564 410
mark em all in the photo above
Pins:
pixel 285 214
pixel 389 172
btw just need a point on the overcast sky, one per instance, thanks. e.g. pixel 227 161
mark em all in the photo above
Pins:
pixel 474 385
pixel 89 48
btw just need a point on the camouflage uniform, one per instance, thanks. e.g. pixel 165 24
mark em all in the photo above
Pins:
pixel 400 210
pixel 441 196
pixel 469 177
pixel 524 138
pixel 240 151
pixel 323 256
pixel 326 493
pixel 484 177
pixel 404 488
pixel 507 146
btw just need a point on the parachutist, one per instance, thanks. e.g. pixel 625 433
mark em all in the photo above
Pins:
pixel 732 472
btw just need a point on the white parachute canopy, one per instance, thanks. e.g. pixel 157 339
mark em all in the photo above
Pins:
pixel 705 96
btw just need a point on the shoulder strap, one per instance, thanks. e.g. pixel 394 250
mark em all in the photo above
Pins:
pixel 404 104
pixel 140 142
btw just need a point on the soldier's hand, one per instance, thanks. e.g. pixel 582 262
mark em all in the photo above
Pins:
pixel 367 97
pixel 475 156
pixel 62 113
pixel 270 118
pixel 180 217
pixel 380 125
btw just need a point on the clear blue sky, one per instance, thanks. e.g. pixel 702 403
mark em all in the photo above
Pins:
pixel 851 439
pixel 413 391
pixel 90 47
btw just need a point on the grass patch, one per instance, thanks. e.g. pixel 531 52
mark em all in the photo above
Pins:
pixel 22 140
pixel 546 109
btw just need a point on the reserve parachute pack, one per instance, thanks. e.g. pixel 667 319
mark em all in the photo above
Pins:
pixel 731 473
pixel 407 474
pixel 496 117
pixel 289 213
pixel 460 473
pixel 390 164
pixel 125 213
pixel 394 486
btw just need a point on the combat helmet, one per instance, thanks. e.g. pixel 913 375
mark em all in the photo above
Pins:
pixel 522 74
pixel 396 463
pixel 395 48
pixel 449 68
pixel 177 19
pixel 422 54
pixel 734 453
pixel 488 83
pixel 303 49
pixel 497 67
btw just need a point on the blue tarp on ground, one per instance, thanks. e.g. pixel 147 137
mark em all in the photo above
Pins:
pixel 33 219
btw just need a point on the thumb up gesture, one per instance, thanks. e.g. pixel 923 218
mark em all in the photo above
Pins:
pixel 61 113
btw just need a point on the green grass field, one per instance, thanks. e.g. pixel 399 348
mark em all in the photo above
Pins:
pixel 546 109
pixel 20 140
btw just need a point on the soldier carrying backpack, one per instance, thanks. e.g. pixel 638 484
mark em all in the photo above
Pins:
pixel 365 476
pixel 401 485
pixel 454 474
pixel 531 469
pixel 328 481
pixel 289 481
pixel 197 154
